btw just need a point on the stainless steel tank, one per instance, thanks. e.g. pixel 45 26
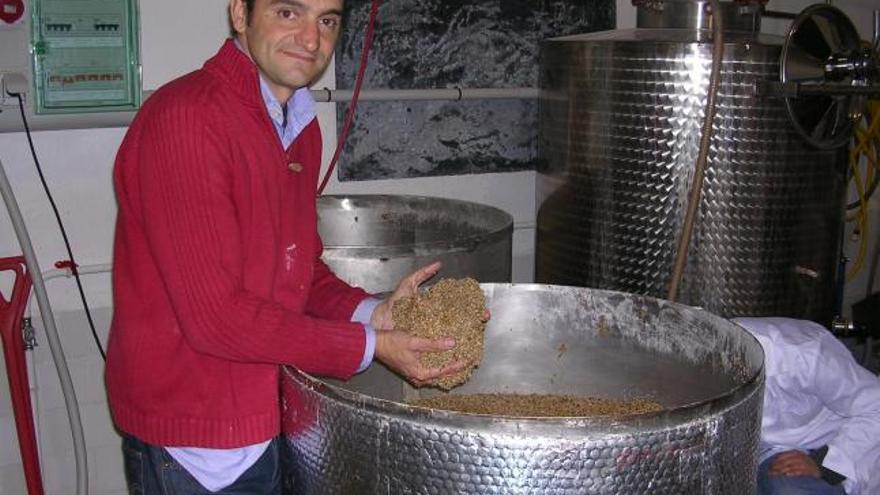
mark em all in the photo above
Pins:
pixel 372 241
pixel 620 127
pixel 706 372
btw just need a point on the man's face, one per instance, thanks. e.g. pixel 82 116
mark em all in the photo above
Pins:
pixel 291 41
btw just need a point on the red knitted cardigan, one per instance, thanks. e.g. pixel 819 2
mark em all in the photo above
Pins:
pixel 217 273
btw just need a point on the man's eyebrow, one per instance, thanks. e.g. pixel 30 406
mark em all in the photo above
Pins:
pixel 294 3
pixel 300 4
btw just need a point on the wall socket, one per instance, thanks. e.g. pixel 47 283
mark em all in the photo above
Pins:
pixel 13 82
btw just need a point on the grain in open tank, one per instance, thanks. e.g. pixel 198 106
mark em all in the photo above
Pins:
pixel 451 308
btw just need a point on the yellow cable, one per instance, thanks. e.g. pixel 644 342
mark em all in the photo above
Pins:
pixel 860 257
pixel 864 139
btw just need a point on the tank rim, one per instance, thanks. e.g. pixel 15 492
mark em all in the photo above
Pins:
pixel 667 418
pixel 501 224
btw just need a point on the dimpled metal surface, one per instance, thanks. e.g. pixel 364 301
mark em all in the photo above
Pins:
pixel 621 117
pixel 358 437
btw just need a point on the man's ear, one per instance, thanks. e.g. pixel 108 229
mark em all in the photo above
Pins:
pixel 238 15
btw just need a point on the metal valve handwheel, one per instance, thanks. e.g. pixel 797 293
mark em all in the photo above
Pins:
pixel 823 50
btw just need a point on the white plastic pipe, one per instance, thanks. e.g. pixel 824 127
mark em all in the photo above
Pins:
pixel 82 270
pixel 455 94
pixel 67 390
pixel 123 119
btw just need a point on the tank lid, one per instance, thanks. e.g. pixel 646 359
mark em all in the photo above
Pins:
pixel 739 15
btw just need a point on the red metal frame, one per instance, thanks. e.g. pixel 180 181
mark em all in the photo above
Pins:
pixel 11 314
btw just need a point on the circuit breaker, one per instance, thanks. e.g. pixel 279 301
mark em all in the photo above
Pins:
pixel 85 55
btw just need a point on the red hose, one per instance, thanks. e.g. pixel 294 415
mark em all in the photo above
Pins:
pixel 349 116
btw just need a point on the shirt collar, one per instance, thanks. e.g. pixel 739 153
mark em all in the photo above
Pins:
pixel 300 106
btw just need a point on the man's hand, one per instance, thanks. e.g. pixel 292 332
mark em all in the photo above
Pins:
pixel 402 352
pixel 794 463
pixel 409 286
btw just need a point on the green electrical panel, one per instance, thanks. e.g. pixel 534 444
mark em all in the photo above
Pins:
pixel 85 56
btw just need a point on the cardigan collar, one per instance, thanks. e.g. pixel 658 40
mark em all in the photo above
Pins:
pixel 240 73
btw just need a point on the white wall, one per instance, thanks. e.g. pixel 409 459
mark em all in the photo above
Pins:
pixel 178 35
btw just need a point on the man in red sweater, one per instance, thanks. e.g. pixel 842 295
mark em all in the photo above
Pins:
pixel 217 277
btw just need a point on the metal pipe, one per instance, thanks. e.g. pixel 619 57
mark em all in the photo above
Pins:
pixel 778 14
pixel 830 89
pixel 776 89
pixel 67 390
pixel 456 94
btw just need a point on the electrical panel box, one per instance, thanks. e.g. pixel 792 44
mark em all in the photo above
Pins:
pixel 85 55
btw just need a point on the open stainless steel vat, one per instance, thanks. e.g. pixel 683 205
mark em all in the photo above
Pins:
pixel 372 241
pixel 707 373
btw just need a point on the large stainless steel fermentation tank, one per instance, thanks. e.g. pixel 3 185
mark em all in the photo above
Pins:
pixel 621 113
pixel 707 373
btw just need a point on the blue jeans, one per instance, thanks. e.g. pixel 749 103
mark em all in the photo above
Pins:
pixel 793 485
pixel 150 470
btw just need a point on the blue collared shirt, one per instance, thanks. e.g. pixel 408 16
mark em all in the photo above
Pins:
pixel 300 111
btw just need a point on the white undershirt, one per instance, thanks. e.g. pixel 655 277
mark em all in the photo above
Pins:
pixel 215 469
